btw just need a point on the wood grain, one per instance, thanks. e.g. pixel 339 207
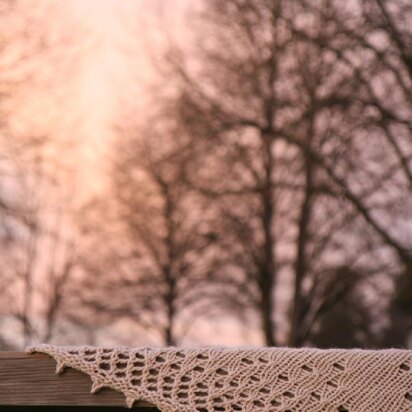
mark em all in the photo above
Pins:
pixel 30 379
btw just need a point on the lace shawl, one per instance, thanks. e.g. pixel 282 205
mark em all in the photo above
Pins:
pixel 247 379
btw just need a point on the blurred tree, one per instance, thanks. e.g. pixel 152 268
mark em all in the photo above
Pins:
pixel 398 333
pixel 346 325
pixel 283 96
pixel 378 31
pixel 36 210
pixel 40 255
pixel 156 270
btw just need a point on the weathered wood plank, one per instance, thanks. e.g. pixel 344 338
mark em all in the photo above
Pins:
pixel 31 380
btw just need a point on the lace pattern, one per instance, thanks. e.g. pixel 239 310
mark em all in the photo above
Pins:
pixel 248 380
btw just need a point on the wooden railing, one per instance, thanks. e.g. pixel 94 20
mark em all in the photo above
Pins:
pixel 30 380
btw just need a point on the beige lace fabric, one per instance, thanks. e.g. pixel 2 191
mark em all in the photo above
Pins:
pixel 248 380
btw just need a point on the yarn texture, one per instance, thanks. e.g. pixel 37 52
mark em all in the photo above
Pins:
pixel 247 379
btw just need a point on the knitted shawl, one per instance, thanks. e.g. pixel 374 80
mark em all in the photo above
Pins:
pixel 247 379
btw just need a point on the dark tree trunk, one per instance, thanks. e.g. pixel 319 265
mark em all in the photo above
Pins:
pixel 170 301
pixel 300 262
pixel 267 275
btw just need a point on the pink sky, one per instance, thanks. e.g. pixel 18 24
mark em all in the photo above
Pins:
pixel 111 69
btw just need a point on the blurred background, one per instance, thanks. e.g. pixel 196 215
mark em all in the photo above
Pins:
pixel 209 172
